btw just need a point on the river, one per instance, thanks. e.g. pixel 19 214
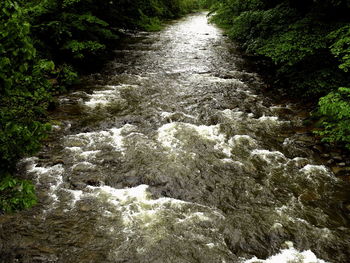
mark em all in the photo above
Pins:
pixel 173 154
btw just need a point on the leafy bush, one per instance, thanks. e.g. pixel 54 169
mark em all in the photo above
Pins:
pixel 25 91
pixel 335 107
pixel 25 94
pixel 301 40
pixel 69 31
pixel 341 47
pixel 336 110
pixel 16 194
pixel 149 23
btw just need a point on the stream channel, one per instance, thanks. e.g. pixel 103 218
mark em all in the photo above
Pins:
pixel 172 154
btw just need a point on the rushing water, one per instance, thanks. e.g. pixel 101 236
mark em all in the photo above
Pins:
pixel 173 155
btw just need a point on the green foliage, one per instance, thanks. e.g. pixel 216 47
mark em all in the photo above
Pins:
pixel 149 23
pixel 77 31
pixel 25 91
pixel 24 97
pixel 15 46
pixel 341 46
pixel 66 75
pixel 150 13
pixel 295 37
pixel 302 39
pixel 21 138
pixel 79 48
pixel 336 110
pixel 16 194
pixel 69 30
pixel 314 80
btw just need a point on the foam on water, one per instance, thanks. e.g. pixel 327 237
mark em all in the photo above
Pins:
pixel 87 145
pixel 270 156
pixel 107 96
pixel 90 154
pixel 76 196
pixel 231 114
pixel 122 196
pixel 264 123
pixel 269 119
pixel 85 165
pixel 172 116
pixel 269 122
pixel 212 79
pixel 82 148
pixel 52 176
pixel 166 135
pixel 286 213
pixel 314 172
pixel 141 215
pixel 243 140
pixel 290 255
pixel 311 169
pixel 171 136
pixel 104 97
pixel 101 97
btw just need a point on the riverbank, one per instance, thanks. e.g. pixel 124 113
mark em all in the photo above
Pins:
pixel 305 45
pixel 334 155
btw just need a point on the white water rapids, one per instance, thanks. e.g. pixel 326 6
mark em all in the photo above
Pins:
pixel 173 154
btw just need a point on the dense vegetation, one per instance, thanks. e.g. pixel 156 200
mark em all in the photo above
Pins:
pixel 43 46
pixel 308 44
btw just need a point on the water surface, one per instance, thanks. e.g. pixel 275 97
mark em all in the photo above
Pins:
pixel 172 154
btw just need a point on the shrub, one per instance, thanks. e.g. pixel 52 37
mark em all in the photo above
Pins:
pixel 336 110
pixel 25 91
pixel 16 194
